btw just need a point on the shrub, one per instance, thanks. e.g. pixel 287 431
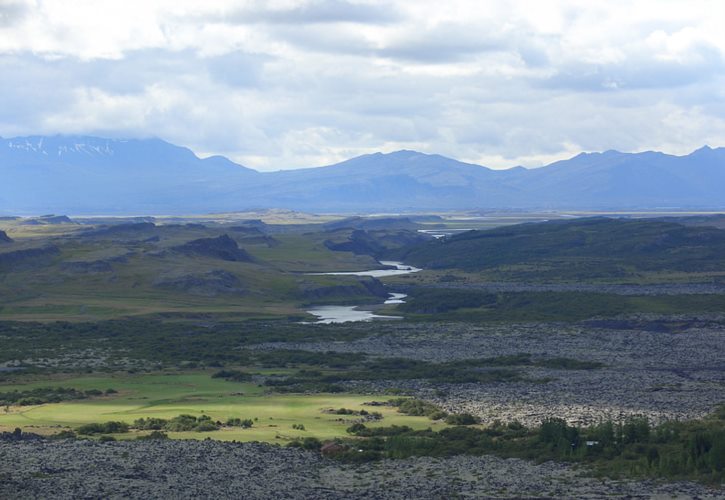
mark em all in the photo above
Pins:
pixel 238 422
pixel 308 443
pixel 111 427
pixel 151 423
pixel 206 426
pixel 181 423
pixel 462 419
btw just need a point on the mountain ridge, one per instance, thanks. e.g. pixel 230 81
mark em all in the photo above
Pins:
pixel 87 174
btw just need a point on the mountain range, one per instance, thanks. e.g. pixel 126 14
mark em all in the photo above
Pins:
pixel 92 175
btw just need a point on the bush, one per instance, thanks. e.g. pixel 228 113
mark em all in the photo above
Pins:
pixel 462 419
pixel 308 443
pixel 417 408
pixel 206 426
pixel 181 423
pixel 151 423
pixel 66 434
pixel 238 422
pixel 111 427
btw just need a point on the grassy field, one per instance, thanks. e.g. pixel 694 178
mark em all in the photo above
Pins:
pixel 166 395
pixel 134 268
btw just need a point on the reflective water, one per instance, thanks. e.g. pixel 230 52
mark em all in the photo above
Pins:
pixel 344 314
pixel 400 268
pixel 396 298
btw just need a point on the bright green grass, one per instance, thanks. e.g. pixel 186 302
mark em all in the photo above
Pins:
pixel 168 395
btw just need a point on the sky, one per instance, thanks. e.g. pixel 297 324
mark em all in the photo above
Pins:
pixel 298 83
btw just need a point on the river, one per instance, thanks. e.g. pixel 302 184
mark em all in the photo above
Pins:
pixel 345 314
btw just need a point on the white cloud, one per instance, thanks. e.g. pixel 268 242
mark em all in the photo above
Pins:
pixel 290 83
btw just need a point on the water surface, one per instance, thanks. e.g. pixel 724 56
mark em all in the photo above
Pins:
pixel 400 268
pixel 344 314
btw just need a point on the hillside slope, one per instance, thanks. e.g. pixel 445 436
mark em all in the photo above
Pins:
pixel 585 247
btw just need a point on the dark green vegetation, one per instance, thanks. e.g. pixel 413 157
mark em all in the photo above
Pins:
pixel 42 395
pixel 676 450
pixel 180 423
pixel 477 305
pixel 112 427
pixel 357 367
pixel 161 343
pixel 157 344
pixel 589 249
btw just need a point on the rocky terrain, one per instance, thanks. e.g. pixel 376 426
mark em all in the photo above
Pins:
pixel 616 289
pixel 33 468
pixel 662 368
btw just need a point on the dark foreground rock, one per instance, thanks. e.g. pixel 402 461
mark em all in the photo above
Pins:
pixel 207 469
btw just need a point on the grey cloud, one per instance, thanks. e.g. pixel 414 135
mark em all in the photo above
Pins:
pixel 11 13
pixel 330 40
pixel 136 71
pixel 237 69
pixel 317 12
pixel 29 90
pixel 444 44
pixel 639 72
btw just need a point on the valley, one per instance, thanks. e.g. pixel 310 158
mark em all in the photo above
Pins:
pixel 239 330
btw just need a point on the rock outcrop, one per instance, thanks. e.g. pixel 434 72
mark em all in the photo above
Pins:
pixel 222 247
pixel 29 256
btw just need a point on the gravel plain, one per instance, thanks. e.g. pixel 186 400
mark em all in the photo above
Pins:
pixel 70 469
pixel 663 368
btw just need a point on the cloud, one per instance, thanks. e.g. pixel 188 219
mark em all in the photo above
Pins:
pixel 292 83
pixel 11 12
pixel 444 43
pixel 315 12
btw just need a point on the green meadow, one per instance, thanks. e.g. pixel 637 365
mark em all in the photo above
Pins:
pixel 166 395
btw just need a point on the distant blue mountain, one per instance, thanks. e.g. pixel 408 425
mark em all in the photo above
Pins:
pixel 79 174
pixel 85 175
